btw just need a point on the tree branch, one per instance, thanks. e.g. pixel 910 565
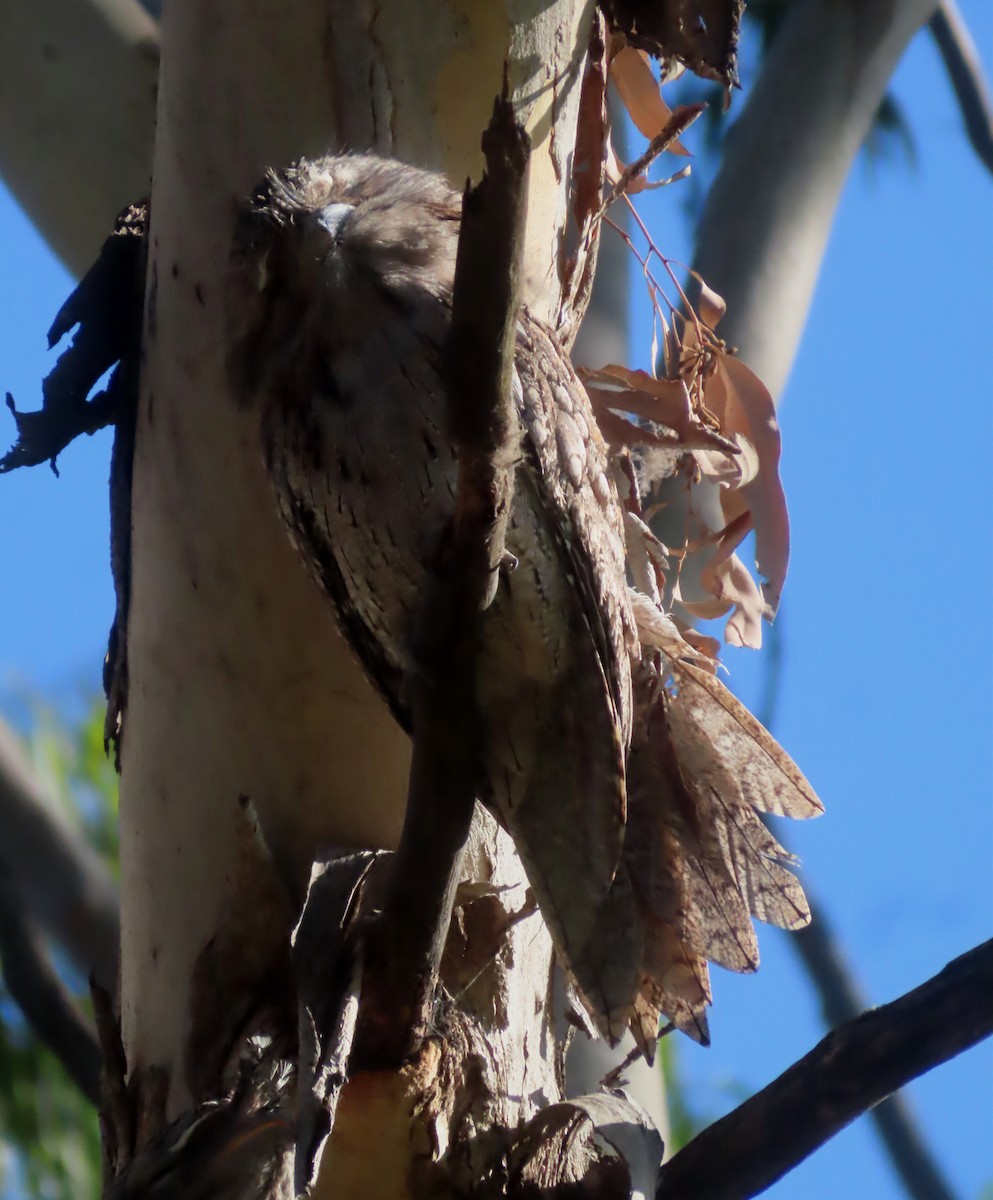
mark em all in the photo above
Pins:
pixel 841 998
pixel 43 998
pixel 406 948
pixel 57 878
pixel 852 1069
pixel 958 52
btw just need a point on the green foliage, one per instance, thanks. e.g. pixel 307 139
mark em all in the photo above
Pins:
pixel 49 1132
pixel 684 1123
pixel 687 1119
pixel 71 757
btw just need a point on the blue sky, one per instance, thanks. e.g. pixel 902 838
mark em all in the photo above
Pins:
pixel 886 695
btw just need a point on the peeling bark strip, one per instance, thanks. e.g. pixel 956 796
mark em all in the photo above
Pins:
pixel 106 306
pixel 328 969
pixel 848 1072
pixel 409 939
pixel 702 34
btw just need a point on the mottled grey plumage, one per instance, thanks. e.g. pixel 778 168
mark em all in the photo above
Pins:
pixel 342 310
pixel 236 1148
pixel 632 805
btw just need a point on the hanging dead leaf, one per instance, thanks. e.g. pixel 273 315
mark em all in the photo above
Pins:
pixel 709 305
pixel 664 402
pixel 638 88
pixel 743 407
pixel 680 120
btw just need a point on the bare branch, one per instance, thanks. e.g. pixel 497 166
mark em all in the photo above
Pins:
pixel 405 954
pixel 681 119
pixel 841 998
pixel 41 995
pixel 58 879
pixel 848 1072
pixel 958 52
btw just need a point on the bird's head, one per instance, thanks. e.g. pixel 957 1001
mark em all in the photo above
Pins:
pixel 341 224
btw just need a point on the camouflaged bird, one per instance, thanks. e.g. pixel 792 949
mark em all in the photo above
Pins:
pixel 343 272
pixel 237 1147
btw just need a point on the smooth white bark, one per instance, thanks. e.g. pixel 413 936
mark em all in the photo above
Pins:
pixel 240 683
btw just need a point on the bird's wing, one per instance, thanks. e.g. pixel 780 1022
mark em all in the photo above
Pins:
pixel 554 673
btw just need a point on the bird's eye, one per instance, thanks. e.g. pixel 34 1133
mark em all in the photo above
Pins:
pixel 334 218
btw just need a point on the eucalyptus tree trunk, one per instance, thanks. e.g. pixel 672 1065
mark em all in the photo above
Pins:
pixel 243 698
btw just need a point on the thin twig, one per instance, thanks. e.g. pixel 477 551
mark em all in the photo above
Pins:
pixel 682 118
pixel 848 1072
pixel 42 996
pixel 404 953
pixel 958 52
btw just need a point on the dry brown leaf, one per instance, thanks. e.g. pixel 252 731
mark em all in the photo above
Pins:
pixel 708 646
pixel 734 589
pixel 665 402
pixel 709 305
pixel 681 119
pixel 616 169
pixel 614 166
pixel 638 88
pixel 743 406
pixel 620 433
